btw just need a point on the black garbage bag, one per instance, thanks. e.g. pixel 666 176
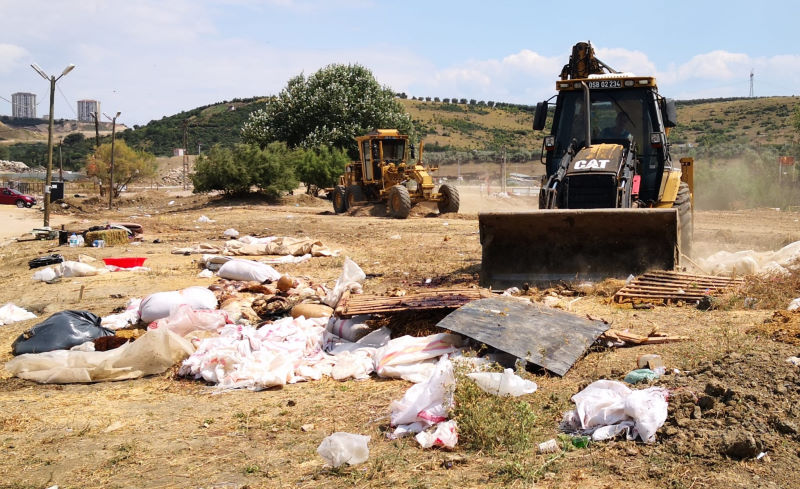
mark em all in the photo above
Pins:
pixel 45 260
pixel 61 331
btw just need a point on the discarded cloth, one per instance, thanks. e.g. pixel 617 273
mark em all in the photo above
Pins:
pixel 152 353
pixel 414 358
pixel 607 408
pixel 11 313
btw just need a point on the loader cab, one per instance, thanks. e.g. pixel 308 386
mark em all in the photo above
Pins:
pixel 622 110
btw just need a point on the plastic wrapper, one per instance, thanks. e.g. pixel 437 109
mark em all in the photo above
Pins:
pixel 184 320
pixel 11 313
pixel 505 383
pixel 344 448
pixel 427 402
pixel 445 434
pixel 413 358
pixel 350 279
pixel 61 331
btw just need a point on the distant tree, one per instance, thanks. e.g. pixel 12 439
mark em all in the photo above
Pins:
pixel 796 120
pixel 427 99
pixel 246 166
pixel 319 168
pixel 472 101
pixel 129 165
pixel 436 99
pixel 329 108
pixel 463 101
pixel 447 100
pixel 5 153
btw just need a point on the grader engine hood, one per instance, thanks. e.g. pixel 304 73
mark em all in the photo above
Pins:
pixel 599 158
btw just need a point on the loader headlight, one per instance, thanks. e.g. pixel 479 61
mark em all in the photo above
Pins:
pixel 657 139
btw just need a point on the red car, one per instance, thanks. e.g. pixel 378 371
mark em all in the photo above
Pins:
pixel 11 196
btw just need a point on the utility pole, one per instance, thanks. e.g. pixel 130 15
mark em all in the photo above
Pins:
pixel 60 160
pixel 185 151
pixel 111 170
pixel 49 175
pixel 96 129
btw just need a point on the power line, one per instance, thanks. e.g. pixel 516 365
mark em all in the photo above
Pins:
pixel 67 101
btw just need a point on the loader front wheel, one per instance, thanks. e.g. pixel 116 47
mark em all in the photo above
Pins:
pixel 354 195
pixel 339 199
pixel 450 201
pixel 683 202
pixel 399 202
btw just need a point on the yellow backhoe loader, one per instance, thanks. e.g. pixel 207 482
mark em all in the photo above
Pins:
pixel 386 172
pixel 612 201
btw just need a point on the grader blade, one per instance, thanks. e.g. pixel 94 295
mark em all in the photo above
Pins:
pixel 546 246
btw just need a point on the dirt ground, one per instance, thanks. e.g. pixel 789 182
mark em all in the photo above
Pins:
pixel 733 398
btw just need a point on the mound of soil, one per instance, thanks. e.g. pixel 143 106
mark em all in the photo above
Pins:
pixel 305 200
pixel 783 326
pixel 736 407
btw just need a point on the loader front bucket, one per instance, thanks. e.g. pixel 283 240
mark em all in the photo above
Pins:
pixel 544 246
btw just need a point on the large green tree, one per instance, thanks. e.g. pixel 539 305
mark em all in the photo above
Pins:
pixel 329 108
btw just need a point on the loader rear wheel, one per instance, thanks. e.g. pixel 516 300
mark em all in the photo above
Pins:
pixel 339 199
pixel 399 202
pixel 683 202
pixel 354 195
pixel 450 200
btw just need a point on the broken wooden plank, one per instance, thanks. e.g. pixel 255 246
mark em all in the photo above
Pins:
pixel 635 339
pixel 550 338
pixel 670 287
pixel 452 298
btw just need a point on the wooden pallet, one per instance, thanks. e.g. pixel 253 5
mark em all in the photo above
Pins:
pixel 352 305
pixel 673 287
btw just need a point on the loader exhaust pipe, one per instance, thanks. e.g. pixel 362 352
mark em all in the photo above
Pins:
pixel 588 103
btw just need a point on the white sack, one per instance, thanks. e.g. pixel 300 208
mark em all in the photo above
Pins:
pixel 161 304
pixel 248 270
pixel 11 313
pixel 344 448
pixel 350 279
pixel 129 316
pixel 45 274
pixel 152 353
pixel 78 269
pixel 505 383
pixel 351 329
pixel 412 358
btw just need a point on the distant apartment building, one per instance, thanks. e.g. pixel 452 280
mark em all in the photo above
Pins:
pixel 86 108
pixel 23 105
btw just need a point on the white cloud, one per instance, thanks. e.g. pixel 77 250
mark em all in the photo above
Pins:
pixel 11 57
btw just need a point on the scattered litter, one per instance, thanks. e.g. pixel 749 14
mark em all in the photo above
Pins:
pixel 125 262
pixel 607 408
pixel 549 446
pixel 129 316
pixel 231 232
pixel 206 273
pixel 43 261
pixel 45 275
pixel 11 313
pixel 395 236
pixel 351 329
pixel 286 259
pixel 159 305
pixel 640 375
pixel 152 353
pixel 511 291
pixel 444 434
pixel 61 331
pixel 615 337
pixel 183 320
pixel 344 448
pixel 751 262
pixel 171 202
pixel 205 219
pixel 505 383
pixel 349 280
pixel 248 270
pixel 794 361
pixel 794 305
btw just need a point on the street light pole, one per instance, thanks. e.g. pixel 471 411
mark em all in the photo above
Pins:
pixel 111 169
pixel 49 176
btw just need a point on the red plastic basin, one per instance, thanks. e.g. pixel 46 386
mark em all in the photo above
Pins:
pixel 125 262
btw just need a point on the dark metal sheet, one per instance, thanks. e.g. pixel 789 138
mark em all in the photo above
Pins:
pixel 549 338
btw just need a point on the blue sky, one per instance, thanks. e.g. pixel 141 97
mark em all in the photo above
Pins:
pixel 149 59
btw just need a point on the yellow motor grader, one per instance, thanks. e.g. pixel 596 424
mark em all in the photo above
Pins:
pixel 612 201
pixel 386 171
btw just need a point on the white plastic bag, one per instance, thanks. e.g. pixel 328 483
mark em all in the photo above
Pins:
pixel 231 232
pixel 648 408
pixel 161 304
pixel 248 270
pixel 794 305
pixel 505 383
pixel 445 434
pixel 45 274
pixel 427 402
pixel 183 320
pixel 351 278
pixel 340 448
pixel 11 313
